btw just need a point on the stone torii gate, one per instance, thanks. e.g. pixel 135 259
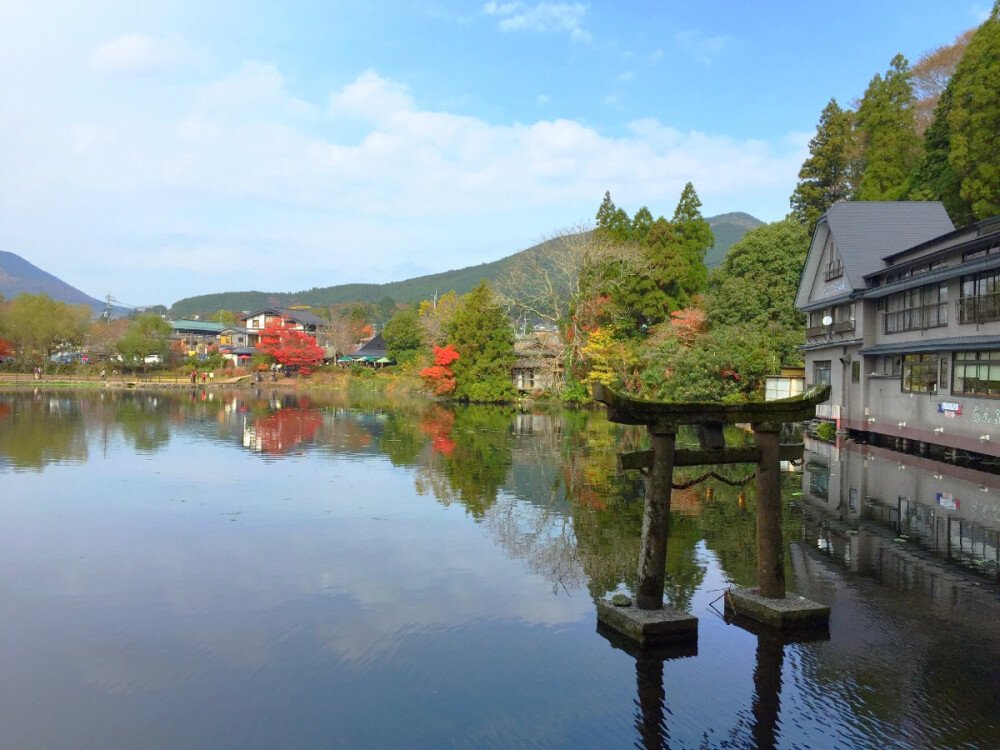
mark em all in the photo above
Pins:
pixel 649 622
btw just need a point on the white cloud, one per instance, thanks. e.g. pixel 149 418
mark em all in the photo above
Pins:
pixel 542 17
pixel 242 171
pixel 137 53
pixel 702 49
pixel 371 97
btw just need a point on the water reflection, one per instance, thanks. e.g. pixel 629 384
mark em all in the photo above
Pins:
pixel 890 507
pixel 904 549
pixel 279 570
pixel 41 428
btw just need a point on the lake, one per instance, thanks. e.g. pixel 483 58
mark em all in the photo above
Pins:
pixel 257 569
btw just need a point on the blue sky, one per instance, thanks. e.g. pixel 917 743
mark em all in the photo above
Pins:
pixel 158 151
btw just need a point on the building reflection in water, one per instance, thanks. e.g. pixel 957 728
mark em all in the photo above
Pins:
pixel 889 514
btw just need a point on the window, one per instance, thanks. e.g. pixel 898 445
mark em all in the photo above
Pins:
pixel 834 269
pixel 920 373
pixel 976 373
pixel 819 479
pixel 917 309
pixel 980 253
pixel 856 371
pixel 821 372
pixel 979 300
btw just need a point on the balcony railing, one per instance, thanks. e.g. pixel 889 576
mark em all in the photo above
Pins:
pixel 983 308
pixel 916 318
pixel 834 270
pixel 842 326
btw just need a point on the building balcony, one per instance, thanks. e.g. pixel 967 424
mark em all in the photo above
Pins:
pixel 983 308
pixel 841 326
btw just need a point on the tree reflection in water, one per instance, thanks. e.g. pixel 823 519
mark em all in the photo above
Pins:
pixel 286 429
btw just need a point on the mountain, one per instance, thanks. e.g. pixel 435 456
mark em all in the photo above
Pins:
pixel 727 229
pixel 18 275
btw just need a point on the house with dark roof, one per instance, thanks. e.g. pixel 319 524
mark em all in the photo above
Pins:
pixel 302 320
pixel 904 323
pixel 194 337
pixel 371 352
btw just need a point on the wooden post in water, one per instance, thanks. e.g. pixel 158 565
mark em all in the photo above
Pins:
pixel 770 550
pixel 649 620
pixel 656 519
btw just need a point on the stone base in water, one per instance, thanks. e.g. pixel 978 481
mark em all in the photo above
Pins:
pixel 648 627
pixel 792 612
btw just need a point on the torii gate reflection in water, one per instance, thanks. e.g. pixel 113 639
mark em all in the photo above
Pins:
pixel 649 622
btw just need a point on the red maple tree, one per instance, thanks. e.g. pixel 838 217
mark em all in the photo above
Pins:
pixel 688 324
pixel 439 376
pixel 289 345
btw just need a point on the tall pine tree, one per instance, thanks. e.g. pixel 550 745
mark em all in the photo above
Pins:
pixel 887 125
pixel 827 175
pixel 612 221
pixel 694 235
pixel 974 120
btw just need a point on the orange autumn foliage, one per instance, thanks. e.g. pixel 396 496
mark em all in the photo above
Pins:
pixel 439 377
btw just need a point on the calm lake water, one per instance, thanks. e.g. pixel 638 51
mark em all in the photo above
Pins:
pixel 260 570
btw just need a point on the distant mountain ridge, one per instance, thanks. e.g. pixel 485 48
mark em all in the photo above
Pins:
pixel 726 228
pixel 18 275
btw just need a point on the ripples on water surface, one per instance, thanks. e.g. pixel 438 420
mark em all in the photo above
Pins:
pixel 262 571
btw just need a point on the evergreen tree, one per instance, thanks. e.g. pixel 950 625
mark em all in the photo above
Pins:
pixel 757 281
pixel 974 120
pixel 403 335
pixel 669 265
pixel 641 223
pixel 934 177
pixel 482 335
pixel 887 124
pixel 694 236
pixel 612 221
pixel 826 176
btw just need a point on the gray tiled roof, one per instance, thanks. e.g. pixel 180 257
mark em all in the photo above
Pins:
pixel 375 347
pixel 866 232
pixel 956 343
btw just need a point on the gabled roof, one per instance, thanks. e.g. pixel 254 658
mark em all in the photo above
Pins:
pixel 374 347
pixel 299 316
pixel 867 232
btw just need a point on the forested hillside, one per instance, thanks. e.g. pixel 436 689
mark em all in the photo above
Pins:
pixel 727 229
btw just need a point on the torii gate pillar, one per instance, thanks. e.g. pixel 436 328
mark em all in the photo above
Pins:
pixel 649 622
